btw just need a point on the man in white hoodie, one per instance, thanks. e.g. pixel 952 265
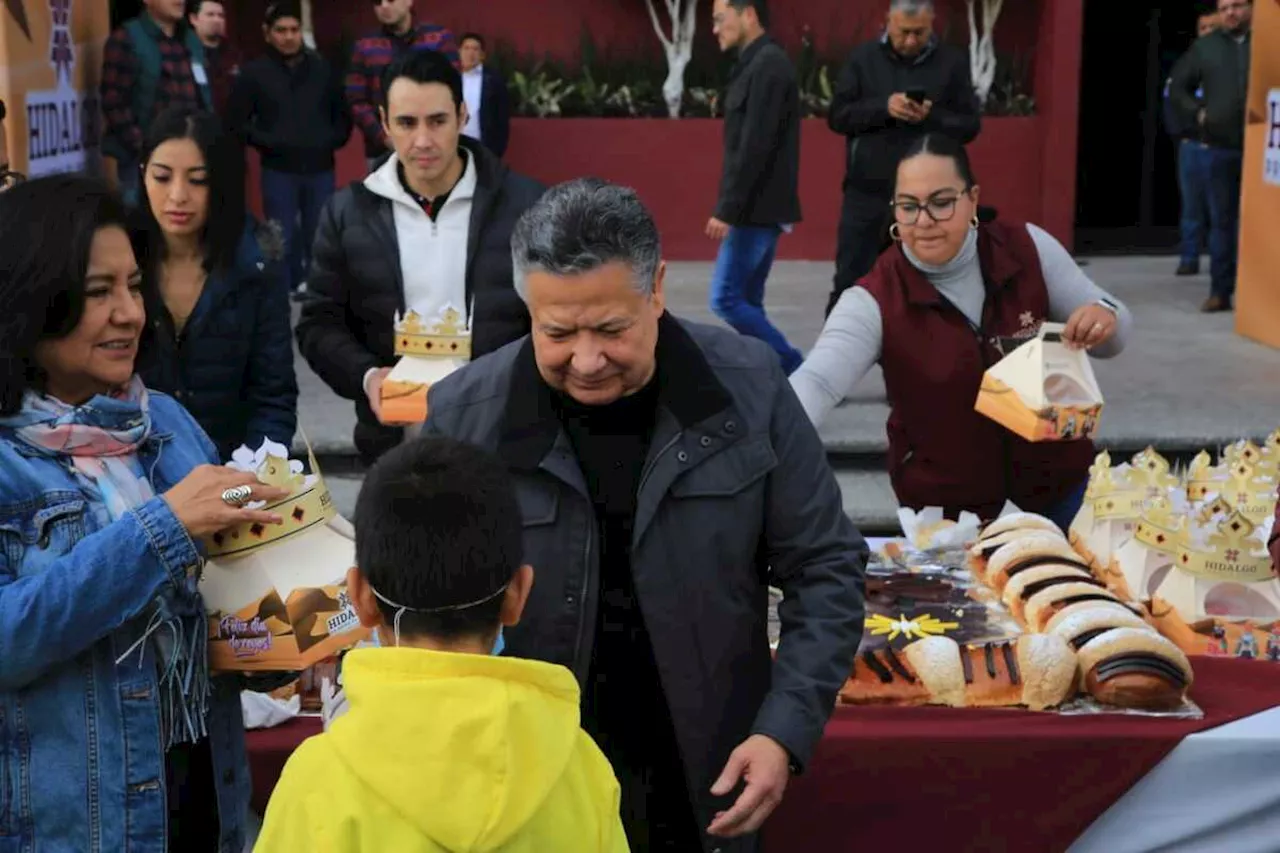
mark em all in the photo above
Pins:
pixel 429 228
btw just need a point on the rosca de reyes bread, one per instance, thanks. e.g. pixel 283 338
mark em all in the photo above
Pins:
pixel 1025 584
pixel 1019 521
pixel 1036 671
pixel 1041 607
pixel 1133 667
pixel 1081 622
pixel 1028 553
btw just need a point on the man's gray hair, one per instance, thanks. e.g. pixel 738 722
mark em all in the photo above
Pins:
pixel 580 226
pixel 911 7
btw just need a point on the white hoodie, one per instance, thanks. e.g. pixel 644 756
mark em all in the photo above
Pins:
pixel 433 255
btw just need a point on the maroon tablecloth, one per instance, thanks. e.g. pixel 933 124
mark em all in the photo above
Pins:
pixel 952 779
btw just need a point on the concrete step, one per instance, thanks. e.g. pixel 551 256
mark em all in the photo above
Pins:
pixel 868 499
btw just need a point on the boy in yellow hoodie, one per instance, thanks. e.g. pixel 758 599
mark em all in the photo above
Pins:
pixel 445 747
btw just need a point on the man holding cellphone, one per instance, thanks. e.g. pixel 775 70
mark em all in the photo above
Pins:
pixel 890 92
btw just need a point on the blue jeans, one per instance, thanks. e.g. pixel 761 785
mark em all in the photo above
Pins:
pixel 737 288
pixel 1224 168
pixel 1065 510
pixel 295 201
pixel 1193 186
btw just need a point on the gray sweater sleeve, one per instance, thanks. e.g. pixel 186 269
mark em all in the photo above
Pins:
pixel 1069 289
pixel 847 348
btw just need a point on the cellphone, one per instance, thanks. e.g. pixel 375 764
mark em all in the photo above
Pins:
pixel 917 95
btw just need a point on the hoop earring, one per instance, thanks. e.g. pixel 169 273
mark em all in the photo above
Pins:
pixel 974 223
pixel 895 233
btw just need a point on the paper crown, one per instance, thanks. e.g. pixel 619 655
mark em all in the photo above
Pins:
pixel 1233 554
pixel 308 503
pixel 1120 495
pixel 1160 528
pixel 447 337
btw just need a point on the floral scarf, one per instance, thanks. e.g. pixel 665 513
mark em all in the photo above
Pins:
pixel 100 441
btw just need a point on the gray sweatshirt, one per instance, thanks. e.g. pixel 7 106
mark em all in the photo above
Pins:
pixel 851 340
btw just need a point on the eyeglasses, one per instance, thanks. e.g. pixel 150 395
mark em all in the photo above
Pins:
pixel 941 207
pixel 10 179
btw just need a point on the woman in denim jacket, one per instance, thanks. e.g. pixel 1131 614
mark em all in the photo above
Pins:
pixel 113 734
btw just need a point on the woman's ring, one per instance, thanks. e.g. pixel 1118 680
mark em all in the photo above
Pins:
pixel 237 496
pixel 1098 327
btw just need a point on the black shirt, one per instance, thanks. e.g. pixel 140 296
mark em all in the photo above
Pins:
pixel 624 706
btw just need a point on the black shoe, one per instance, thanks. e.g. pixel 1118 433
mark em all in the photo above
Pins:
pixel 1216 304
pixel 1188 269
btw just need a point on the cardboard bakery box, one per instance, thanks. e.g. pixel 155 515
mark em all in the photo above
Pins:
pixel 1043 391
pixel 276 594
pixel 428 353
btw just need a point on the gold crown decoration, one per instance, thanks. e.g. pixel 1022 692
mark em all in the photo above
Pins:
pixel 1233 554
pixel 1242 451
pixel 1215 509
pixel 447 337
pixel 1099 476
pixel 1203 478
pixel 308 503
pixel 1272 444
pixel 1161 528
pixel 1253 496
pixel 1125 497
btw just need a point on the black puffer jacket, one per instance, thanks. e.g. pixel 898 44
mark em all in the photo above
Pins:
pixel 232 366
pixel 356 285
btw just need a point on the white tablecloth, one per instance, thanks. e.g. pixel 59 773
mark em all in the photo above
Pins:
pixel 1217 792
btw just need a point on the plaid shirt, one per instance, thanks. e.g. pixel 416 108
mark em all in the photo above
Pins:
pixel 369 58
pixel 177 85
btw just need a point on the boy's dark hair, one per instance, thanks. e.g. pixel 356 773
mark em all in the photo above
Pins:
pixel 47 226
pixel 761 7
pixel 437 525
pixel 423 66
pixel 475 37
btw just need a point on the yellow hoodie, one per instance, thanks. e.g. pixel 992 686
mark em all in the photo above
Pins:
pixel 448 752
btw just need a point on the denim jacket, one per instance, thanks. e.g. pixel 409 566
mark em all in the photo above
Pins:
pixel 81 761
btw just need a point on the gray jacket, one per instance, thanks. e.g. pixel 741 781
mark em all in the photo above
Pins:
pixel 736 495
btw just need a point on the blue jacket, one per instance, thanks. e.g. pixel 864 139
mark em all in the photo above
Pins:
pixel 81 763
pixel 232 366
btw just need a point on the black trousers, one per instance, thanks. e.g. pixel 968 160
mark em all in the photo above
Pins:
pixel 863 235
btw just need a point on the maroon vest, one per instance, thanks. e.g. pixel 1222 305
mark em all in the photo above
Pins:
pixel 942 452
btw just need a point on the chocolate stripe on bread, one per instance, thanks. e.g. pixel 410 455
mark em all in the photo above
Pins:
pixel 990 656
pixel 873 663
pixel 966 663
pixel 1032 588
pixel 1141 662
pixel 1011 663
pixel 1078 642
pixel 1042 560
pixel 895 663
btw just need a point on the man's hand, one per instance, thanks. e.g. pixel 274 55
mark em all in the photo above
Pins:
pixel 904 109
pixel 373 390
pixel 716 229
pixel 766 768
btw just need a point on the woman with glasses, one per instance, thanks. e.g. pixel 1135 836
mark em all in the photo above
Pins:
pixel 947 301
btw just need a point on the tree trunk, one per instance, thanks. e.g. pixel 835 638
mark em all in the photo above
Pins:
pixel 982 47
pixel 678 47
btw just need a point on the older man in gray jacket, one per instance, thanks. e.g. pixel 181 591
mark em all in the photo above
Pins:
pixel 667 476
